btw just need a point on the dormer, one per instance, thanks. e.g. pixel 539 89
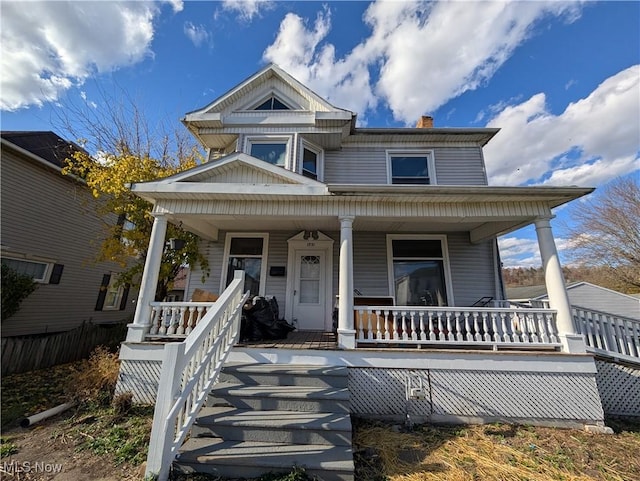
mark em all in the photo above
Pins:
pixel 273 117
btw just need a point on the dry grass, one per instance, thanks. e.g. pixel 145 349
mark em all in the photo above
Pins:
pixel 495 453
pixel 94 380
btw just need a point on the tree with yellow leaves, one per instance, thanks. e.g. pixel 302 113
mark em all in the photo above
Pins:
pixel 124 153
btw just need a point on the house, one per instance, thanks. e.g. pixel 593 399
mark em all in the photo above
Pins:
pixel 584 295
pixel 389 231
pixel 50 232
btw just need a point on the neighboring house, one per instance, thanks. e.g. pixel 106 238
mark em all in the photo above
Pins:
pixel 392 232
pixel 50 231
pixel 584 295
pixel 176 293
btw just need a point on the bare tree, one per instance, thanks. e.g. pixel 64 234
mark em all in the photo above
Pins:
pixel 606 232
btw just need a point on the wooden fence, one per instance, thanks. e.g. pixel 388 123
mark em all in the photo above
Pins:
pixel 27 353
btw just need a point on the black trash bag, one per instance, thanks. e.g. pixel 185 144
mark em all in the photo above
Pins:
pixel 262 321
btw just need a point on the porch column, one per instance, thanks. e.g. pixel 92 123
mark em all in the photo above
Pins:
pixel 556 289
pixel 346 332
pixel 149 281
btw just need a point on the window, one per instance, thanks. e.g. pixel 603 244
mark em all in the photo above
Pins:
pixel 40 271
pixel 272 103
pixel 419 270
pixel 112 297
pixel 309 163
pixel 411 167
pixel 247 252
pixel 272 150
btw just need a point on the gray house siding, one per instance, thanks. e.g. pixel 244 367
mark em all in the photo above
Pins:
pixel 368 165
pixel 472 266
pixel 47 215
pixel 605 300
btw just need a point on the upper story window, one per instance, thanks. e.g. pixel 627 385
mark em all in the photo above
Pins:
pixel 274 150
pixel 272 103
pixel 310 160
pixel 410 167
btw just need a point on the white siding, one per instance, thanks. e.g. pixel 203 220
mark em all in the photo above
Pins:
pixel 472 269
pixel 46 214
pixel 368 165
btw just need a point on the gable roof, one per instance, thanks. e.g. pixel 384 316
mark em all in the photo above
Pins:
pixel 45 145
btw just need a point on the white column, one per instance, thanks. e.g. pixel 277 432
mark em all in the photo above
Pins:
pixel 556 289
pixel 346 332
pixel 149 282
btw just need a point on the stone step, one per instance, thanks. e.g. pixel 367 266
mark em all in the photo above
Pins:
pixel 244 459
pixel 280 398
pixel 292 427
pixel 285 375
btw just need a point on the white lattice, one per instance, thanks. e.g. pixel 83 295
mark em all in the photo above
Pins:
pixel 140 378
pixel 536 396
pixel 619 388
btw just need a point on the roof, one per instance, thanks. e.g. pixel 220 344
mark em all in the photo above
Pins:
pixel 540 292
pixel 47 145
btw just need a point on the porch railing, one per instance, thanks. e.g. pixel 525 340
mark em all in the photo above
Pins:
pixel 456 326
pixel 176 318
pixel 609 335
pixel 189 370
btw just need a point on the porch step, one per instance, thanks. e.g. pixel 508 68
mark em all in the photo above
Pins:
pixel 269 418
pixel 286 375
pixel 244 459
pixel 281 398
pixel 291 427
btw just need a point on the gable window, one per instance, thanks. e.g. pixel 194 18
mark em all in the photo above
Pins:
pixel 273 150
pixel 272 103
pixel 418 270
pixel 410 167
pixel 247 252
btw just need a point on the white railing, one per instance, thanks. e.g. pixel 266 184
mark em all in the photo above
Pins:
pixel 176 318
pixel 473 326
pixel 609 335
pixel 189 370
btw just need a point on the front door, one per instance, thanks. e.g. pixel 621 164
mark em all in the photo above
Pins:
pixel 309 294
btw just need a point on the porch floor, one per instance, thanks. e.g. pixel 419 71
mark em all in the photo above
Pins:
pixel 318 340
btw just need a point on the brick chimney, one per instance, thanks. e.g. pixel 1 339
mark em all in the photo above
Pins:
pixel 425 122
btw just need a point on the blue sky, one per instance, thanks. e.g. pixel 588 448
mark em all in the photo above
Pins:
pixel 561 79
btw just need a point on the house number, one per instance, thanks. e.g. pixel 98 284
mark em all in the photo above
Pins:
pixel 311 244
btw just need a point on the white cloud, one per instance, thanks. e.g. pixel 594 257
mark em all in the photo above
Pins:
pixel 176 5
pixel 525 252
pixel 196 33
pixel 595 139
pixel 410 46
pixel 247 9
pixel 49 47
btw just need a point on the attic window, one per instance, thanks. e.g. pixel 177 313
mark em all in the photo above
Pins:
pixel 272 103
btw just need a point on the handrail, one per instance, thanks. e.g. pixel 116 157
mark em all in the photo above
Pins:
pixel 471 326
pixel 176 319
pixel 609 335
pixel 189 370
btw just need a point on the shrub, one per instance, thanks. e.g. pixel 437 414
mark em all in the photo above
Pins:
pixel 95 380
pixel 15 288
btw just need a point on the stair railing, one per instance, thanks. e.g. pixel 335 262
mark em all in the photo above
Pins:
pixel 189 370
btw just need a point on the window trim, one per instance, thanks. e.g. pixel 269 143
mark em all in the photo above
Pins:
pixel 431 164
pixel 319 151
pixel 271 139
pixel 225 259
pixel 445 260
pixel 119 294
pixel 34 260
pixel 251 106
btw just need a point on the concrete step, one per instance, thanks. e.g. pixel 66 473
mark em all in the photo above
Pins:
pixel 292 427
pixel 280 398
pixel 243 459
pixel 285 375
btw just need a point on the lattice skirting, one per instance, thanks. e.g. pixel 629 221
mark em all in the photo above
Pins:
pixel 619 388
pixel 140 378
pixel 482 395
